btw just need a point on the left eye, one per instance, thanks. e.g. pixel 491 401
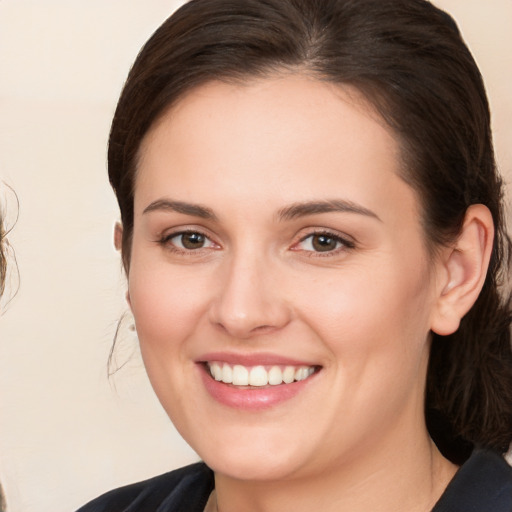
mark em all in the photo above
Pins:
pixel 321 242
pixel 190 240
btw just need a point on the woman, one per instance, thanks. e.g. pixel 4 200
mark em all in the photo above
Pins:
pixel 312 230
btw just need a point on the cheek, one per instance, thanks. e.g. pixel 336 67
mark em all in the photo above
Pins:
pixel 371 311
pixel 167 305
pixel 375 325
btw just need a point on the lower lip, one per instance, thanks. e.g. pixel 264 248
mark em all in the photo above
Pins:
pixel 254 398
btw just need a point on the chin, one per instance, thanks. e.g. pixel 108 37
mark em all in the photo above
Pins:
pixel 254 459
pixel 252 469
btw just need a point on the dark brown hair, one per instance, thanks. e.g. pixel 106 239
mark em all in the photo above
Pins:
pixel 407 57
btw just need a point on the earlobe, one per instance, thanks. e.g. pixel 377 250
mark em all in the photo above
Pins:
pixel 465 265
pixel 118 236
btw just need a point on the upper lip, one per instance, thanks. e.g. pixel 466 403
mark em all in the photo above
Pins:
pixel 255 359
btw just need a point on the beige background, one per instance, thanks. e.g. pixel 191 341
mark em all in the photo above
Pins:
pixel 66 432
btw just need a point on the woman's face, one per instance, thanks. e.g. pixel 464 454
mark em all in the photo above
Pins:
pixel 275 245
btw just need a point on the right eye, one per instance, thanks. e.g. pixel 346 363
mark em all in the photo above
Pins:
pixel 189 240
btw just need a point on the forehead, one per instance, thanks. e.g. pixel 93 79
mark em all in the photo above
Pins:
pixel 287 97
pixel 260 138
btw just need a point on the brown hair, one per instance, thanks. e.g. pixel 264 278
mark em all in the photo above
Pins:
pixel 408 58
pixel 3 262
pixel 7 254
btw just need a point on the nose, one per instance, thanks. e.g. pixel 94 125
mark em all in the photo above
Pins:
pixel 250 299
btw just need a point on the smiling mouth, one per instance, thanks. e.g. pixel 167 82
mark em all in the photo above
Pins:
pixel 258 376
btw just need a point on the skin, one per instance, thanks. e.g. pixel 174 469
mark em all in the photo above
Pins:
pixel 354 438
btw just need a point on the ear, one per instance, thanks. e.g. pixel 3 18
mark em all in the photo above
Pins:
pixel 118 242
pixel 464 267
pixel 118 236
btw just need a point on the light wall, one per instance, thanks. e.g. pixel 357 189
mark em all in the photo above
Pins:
pixel 67 433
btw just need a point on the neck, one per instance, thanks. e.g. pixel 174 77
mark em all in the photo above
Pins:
pixel 408 478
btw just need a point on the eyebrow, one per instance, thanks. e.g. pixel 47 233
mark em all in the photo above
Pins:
pixel 195 210
pixel 290 212
pixel 333 205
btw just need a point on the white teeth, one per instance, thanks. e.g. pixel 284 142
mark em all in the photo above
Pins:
pixel 275 376
pixel 289 374
pixel 258 376
pixel 217 372
pixel 299 374
pixel 240 375
pixel 227 374
pixel 303 373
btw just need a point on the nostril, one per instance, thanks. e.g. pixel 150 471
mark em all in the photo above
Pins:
pixel 245 330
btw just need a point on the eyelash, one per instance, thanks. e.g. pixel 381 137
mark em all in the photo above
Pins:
pixel 344 243
pixel 165 241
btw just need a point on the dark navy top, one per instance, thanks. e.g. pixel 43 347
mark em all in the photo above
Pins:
pixel 482 484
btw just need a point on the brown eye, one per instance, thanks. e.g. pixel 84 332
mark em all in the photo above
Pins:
pixel 189 240
pixel 192 240
pixel 324 243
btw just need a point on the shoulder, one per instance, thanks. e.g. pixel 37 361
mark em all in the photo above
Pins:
pixel 483 483
pixel 185 489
